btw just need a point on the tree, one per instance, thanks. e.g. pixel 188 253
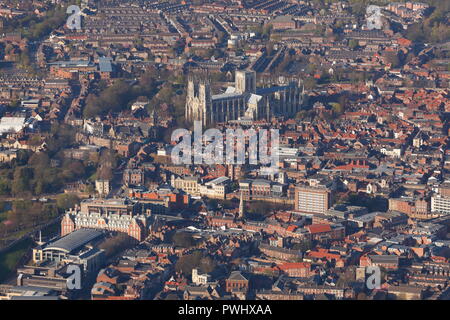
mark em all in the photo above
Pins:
pixel 267 31
pixel 184 240
pixel 24 59
pixel 5 186
pixel 39 161
pixel 433 28
pixel 353 44
pixel 270 48
pixel 21 181
pixel 117 244
pixel 362 296
pixel 261 209
pixel 62 136
pixel 195 260
pixel 23 157
pixel 113 99
pixel 108 161
pixel 118 96
pixel 207 264
pixel 66 201
pixel 92 107
pixel 338 109
pixel 303 246
pixel 310 83
pixel 392 59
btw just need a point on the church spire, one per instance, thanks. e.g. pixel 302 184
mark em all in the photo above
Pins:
pixel 40 243
pixel 241 207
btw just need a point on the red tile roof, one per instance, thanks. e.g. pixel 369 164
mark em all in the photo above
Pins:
pixel 294 265
pixel 291 228
pixel 319 228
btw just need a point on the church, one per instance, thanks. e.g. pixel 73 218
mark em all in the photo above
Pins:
pixel 244 101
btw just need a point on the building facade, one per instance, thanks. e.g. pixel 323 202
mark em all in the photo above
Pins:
pixel 440 204
pixel 112 215
pixel 103 187
pixel 134 177
pixel 312 200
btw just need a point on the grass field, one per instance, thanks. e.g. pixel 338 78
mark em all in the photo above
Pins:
pixel 10 258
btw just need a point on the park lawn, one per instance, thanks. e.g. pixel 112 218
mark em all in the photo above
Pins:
pixel 10 258
pixel 16 235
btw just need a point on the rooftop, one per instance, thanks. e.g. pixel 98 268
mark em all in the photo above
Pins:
pixel 74 240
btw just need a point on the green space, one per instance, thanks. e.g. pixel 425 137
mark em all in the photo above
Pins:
pixel 10 258
pixel 34 27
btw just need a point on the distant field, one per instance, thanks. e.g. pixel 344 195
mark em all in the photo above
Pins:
pixel 10 258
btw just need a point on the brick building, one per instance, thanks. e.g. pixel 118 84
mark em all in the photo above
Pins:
pixel 236 282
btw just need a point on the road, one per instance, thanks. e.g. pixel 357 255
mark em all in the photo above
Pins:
pixel 45 196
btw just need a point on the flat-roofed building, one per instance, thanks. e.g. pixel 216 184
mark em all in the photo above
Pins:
pixel 67 246
pixel 12 124
pixel 312 200
pixel 406 292
pixel 440 204
pixel 385 261
pixel 51 261
pixel 216 188
pixel 9 292
pixel 105 67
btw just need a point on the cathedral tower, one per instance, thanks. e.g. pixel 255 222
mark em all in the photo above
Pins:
pixel 198 100
pixel 245 81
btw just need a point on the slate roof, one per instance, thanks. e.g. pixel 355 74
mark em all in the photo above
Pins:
pixel 237 276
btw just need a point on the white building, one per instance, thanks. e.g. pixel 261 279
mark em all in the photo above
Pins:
pixel 103 187
pixel 216 188
pixel 392 152
pixel 200 279
pixel 440 204
pixel 12 124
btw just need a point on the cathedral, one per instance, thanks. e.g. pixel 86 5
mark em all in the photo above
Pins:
pixel 243 101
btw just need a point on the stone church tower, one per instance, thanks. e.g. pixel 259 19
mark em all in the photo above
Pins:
pixel 245 81
pixel 198 99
